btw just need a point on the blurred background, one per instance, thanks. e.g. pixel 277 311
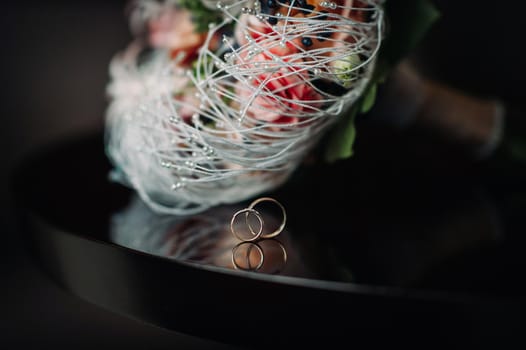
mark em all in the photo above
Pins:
pixel 54 64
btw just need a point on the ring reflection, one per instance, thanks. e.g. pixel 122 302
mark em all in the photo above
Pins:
pixel 205 238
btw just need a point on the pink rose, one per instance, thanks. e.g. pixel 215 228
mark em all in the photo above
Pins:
pixel 174 30
pixel 285 95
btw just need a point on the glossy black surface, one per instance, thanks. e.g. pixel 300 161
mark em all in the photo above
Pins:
pixel 383 243
pixel 55 70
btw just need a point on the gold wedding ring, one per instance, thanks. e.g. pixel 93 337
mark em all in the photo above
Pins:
pixel 283 222
pixel 255 235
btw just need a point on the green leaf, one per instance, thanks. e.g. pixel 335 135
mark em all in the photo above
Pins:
pixel 341 140
pixel 369 99
pixel 407 25
pixel 201 15
pixel 199 67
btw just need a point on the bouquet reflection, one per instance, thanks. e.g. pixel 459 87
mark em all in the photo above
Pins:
pixel 431 239
pixel 205 239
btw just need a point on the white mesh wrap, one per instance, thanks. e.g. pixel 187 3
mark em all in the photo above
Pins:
pixel 241 121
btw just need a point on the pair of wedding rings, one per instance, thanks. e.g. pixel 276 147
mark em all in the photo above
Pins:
pixel 256 233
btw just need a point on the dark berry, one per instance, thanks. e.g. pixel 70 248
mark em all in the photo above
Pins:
pixel 306 41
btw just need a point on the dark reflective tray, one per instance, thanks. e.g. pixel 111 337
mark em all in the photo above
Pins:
pixel 384 247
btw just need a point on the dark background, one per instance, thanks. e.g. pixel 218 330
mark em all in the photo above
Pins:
pixel 54 61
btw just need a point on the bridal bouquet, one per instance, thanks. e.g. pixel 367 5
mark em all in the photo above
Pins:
pixel 217 101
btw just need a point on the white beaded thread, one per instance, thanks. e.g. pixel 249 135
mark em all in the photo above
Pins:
pixel 251 111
